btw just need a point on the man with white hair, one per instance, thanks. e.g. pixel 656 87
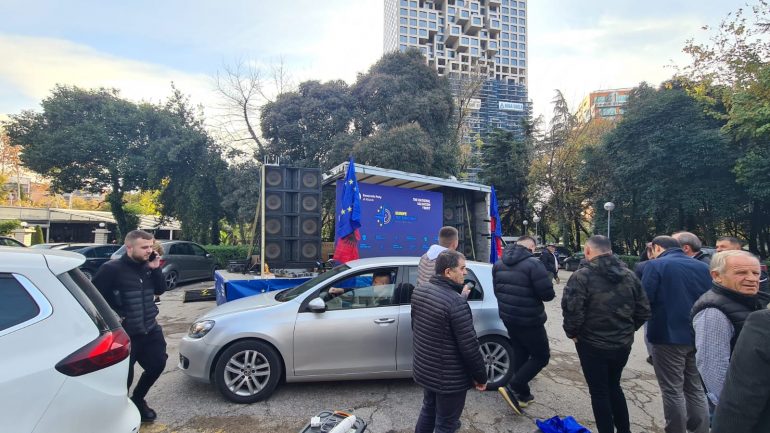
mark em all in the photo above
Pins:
pixel 718 316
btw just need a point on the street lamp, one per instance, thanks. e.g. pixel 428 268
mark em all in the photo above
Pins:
pixel 609 207
pixel 525 222
pixel 536 219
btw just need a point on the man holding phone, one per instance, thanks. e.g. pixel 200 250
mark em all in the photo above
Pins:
pixel 129 285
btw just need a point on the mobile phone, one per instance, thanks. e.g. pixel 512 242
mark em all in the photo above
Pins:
pixel 153 256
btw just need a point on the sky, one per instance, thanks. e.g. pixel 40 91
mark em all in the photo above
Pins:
pixel 141 46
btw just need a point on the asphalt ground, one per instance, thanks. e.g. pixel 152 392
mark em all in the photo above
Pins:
pixel 388 406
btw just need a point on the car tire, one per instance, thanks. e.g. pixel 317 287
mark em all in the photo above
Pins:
pixel 256 357
pixel 172 278
pixel 498 358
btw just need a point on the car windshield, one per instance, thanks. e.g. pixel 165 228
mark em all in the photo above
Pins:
pixel 289 294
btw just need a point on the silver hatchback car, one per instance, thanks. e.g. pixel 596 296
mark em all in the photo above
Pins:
pixel 352 322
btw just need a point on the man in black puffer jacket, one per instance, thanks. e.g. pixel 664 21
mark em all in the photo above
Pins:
pixel 522 285
pixel 603 305
pixel 129 284
pixel 447 358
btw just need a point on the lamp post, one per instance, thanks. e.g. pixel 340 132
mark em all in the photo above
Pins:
pixel 525 222
pixel 609 207
pixel 536 219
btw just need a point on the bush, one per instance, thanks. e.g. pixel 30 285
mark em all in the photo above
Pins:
pixel 224 253
pixel 7 226
pixel 631 261
pixel 37 237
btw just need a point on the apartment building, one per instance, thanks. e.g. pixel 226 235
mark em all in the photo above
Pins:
pixel 603 104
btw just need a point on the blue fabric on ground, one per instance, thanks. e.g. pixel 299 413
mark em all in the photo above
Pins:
pixel 561 425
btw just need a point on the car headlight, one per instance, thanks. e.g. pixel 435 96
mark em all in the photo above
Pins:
pixel 200 328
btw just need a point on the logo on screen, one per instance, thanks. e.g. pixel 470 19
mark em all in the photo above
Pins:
pixel 383 215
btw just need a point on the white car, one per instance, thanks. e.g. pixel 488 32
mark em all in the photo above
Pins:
pixel 63 354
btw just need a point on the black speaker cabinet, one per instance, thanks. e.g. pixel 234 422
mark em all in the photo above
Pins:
pixel 292 216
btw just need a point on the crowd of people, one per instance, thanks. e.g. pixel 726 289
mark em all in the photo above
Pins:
pixel 707 330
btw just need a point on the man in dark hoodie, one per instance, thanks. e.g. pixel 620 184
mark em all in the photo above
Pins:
pixel 603 305
pixel 447 358
pixel 521 285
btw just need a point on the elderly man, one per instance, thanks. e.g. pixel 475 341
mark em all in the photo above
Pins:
pixel 673 282
pixel 727 243
pixel 691 246
pixel 603 305
pixel 447 358
pixel 718 316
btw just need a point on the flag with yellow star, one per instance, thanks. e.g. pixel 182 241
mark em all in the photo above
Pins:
pixel 348 218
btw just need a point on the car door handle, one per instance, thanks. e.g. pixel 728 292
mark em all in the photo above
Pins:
pixel 383 321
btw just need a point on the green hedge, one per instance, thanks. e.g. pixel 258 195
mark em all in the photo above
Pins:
pixel 631 261
pixel 224 253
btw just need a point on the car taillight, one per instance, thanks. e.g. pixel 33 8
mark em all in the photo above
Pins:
pixel 162 263
pixel 110 348
pixel 763 267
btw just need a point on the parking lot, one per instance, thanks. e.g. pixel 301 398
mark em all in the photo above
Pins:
pixel 388 406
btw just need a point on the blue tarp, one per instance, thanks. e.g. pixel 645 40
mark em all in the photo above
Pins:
pixel 235 289
pixel 561 425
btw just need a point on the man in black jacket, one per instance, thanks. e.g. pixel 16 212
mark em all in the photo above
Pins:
pixel 603 305
pixel 551 261
pixel 447 358
pixel 521 285
pixel 744 405
pixel 129 284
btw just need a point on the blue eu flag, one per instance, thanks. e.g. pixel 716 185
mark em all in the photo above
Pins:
pixel 349 208
pixel 496 250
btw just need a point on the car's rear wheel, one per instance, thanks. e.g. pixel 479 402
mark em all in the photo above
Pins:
pixel 172 278
pixel 498 358
pixel 248 371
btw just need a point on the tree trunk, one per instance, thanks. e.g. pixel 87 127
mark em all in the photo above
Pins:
pixel 115 199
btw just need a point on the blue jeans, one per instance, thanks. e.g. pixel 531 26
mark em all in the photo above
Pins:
pixel 440 413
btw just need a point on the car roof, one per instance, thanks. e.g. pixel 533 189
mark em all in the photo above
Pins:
pixel 398 261
pixel 58 261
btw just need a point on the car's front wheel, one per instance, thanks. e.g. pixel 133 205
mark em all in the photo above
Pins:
pixel 248 371
pixel 498 358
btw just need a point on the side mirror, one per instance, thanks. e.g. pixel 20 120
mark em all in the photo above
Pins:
pixel 317 305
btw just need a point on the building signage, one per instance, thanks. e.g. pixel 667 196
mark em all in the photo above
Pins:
pixel 510 106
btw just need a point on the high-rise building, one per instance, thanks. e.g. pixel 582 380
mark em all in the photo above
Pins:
pixel 603 104
pixel 480 45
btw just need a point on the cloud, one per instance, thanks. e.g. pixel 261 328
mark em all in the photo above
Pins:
pixel 615 53
pixel 32 66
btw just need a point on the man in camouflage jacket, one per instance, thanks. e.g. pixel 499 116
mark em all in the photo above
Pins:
pixel 603 305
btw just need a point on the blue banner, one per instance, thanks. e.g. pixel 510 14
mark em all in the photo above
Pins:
pixel 396 221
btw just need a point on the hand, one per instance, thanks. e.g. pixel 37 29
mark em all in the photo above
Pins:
pixel 336 291
pixel 154 264
pixel 480 386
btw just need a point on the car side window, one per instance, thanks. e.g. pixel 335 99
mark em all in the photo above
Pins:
pixel 373 288
pixel 18 306
pixel 477 294
pixel 198 250
pixel 102 252
pixel 181 249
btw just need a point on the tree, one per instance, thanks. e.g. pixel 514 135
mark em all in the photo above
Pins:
pixel 400 89
pixel 240 196
pixel 406 148
pixel 300 126
pixel 89 140
pixel 505 164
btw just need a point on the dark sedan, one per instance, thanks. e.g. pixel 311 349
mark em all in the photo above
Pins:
pixel 96 255
pixel 182 261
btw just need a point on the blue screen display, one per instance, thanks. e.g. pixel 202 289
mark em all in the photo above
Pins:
pixel 396 221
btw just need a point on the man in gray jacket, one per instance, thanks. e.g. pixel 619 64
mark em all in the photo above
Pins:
pixel 448 239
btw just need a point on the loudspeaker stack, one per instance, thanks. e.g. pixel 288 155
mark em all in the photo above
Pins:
pixel 292 216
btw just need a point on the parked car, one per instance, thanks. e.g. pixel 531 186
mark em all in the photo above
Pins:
pixel 51 246
pixel 64 362
pixel 5 241
pixel 303 334
pixel 572 262
pixel 182 261
pixel 96 255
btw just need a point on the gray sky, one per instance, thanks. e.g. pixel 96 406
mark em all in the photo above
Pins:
pixel 141 46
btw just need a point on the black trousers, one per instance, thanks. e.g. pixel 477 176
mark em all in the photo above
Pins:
pixel 150 352
pixel 440 413
pixel 602 369
pixel 531 354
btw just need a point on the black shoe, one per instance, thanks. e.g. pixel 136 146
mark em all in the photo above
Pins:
pixel 157 300
pixel 512 402
pixel 649 360
pixel 145 412
pixel 525 400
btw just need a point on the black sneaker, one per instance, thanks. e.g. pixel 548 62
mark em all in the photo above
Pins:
pixel 649 360
pixel 525 400
pixel 145 412
pixel 512 402
pixel 157 300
